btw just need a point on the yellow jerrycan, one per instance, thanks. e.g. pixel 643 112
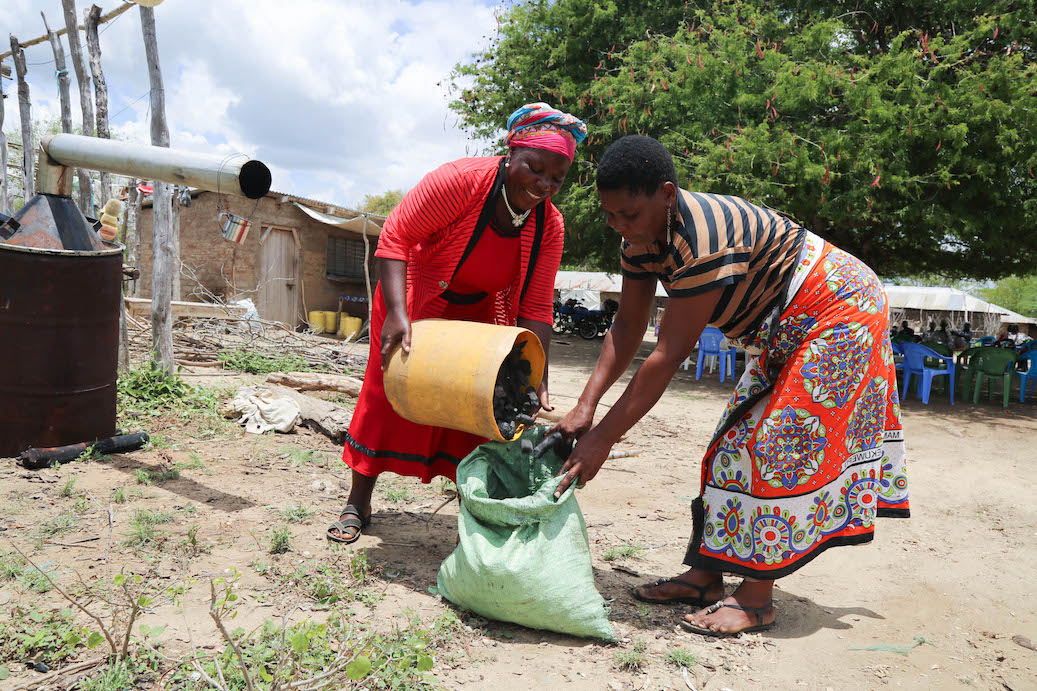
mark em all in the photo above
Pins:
pixel 447 379
pixel 316 321
pixel 331 322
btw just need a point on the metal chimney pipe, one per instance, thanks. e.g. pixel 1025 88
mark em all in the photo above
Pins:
pixel 226 175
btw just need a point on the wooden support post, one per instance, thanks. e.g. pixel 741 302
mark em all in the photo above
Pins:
pixel 24 105
pixel 93 45
pixel 63 78
pixel 162 208
pixel 75 48
pixel 4 208
pixel 135 201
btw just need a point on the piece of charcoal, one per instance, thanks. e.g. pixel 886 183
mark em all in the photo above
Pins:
pixel 525 367
pixel 527 420
pixel 507 429
pixel 549 442
pixel 526 445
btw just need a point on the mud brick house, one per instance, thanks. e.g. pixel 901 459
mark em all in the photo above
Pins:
pixel 299 255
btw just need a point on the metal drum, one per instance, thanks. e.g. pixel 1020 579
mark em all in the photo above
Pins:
pixel 59 330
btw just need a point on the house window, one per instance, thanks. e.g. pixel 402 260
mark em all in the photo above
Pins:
pixel 345 257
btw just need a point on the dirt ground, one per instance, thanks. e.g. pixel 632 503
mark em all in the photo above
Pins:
pixel 958 574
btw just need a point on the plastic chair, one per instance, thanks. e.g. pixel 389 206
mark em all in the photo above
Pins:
pixel 710 345
pixel 1029 376
pixel 987 341
pixel 993 363
pixel 898 349
pixel 965 373
pixel 915 356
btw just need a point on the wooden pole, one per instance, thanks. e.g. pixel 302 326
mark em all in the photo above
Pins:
pixel 3 149
pixel 162 208
pixel 63 78
pixel 86 197
pixel 93 45
pixel 61 32
pixel 135 200
pixel 24 106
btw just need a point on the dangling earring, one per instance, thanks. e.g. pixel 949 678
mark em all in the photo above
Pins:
pixel 669 221
pixel 507 161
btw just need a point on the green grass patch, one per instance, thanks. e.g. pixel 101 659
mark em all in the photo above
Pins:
pixel 624 551
pixel 296 514
pixel 68 490
pixel 632 660
pixel 682 658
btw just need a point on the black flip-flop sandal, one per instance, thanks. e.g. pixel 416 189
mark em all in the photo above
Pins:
pixel 699 601
pixel 349 518
pixel 715 607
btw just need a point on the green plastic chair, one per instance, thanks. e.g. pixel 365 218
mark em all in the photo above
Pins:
pixel 996 363
pixel 964 371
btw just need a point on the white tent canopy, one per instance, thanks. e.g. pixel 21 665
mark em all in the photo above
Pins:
pixel 945 299
pixel 600 281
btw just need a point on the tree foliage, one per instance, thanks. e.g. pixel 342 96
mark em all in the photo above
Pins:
pixel 1017 293
pixel 904 132
pixel 381 204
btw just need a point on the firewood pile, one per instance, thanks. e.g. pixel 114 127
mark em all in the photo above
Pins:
pixel 199 342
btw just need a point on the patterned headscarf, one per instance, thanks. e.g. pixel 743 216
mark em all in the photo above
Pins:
pixel 540 126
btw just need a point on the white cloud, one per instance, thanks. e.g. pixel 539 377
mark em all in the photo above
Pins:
pixel 339 97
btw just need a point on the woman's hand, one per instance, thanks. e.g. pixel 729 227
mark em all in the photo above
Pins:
pixel 585 460
pixel 576 422
pixel 395 331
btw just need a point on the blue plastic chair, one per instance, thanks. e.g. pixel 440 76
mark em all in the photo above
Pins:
pixel 987 341
pixel 898 349
pixel 914 364
pixel 1029 376
pixel 709 345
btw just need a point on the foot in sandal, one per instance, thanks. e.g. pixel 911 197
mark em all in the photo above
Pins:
pixel 693 587
pixel 349 526
pixel 748 609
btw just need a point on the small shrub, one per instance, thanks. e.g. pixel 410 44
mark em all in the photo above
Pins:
pixel 119 495
pixel 68 490
pixel 281 540
pixel 144 477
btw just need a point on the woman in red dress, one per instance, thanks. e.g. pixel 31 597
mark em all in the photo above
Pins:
pixel 478 239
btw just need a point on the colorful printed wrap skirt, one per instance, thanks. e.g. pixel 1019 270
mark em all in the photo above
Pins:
pixel 810 449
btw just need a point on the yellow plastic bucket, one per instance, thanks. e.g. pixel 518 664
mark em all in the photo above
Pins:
pixel 447 379
pixel 349 326
pixel 316 321
pixel 330 319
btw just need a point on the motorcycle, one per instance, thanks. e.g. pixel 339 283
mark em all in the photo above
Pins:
pixel 572 317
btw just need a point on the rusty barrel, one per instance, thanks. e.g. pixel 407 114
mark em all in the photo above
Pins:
pixel 59 334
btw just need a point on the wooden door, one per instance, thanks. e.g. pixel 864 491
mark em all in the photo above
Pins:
pixel 278 278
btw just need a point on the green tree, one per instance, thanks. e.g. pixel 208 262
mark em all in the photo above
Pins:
pixel 381 204
pixel 1017 293
pixel 906 133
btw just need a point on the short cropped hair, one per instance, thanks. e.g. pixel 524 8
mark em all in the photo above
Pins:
pixel 635 162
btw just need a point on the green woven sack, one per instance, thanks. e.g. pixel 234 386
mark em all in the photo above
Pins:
pixel 523 556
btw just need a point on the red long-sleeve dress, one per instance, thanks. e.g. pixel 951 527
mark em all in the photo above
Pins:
pixel 460 265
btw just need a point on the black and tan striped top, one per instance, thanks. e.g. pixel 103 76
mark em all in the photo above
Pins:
pixel 722 242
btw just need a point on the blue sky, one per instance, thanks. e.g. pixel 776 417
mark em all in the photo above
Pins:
pixel 341 98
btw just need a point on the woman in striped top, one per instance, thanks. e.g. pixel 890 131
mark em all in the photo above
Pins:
pixel 810 448
pixel 477 239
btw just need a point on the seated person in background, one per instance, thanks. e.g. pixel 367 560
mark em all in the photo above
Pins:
pixel 1011 337
pixel 893 333
pixel 941 335
pixel 960 340
pixel 928 335
pixel 906 332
